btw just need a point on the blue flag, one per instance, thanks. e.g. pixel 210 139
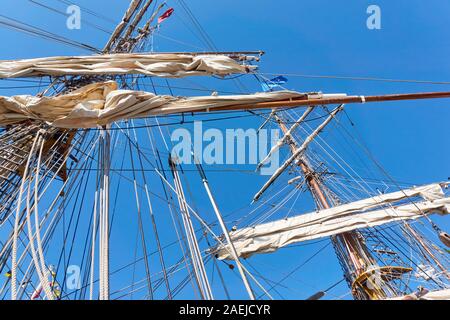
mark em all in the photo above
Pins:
pixel 274 83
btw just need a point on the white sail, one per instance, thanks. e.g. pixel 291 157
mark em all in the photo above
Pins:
pixel 169 65
pixel 134 5
pixel 432 295
pixel 272 236
pixel 101 104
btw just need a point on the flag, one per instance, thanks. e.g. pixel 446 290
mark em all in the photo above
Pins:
pixel 165 15
pixel 279 80
pixel 271 84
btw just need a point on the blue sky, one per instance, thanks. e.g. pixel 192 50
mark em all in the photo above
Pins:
pixel 319 38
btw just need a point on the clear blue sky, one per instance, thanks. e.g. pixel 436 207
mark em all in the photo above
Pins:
pixel 313 37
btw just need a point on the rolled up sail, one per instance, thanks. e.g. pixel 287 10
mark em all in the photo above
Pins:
pixel 101 103
pixel 169 65
pixel 431 295
pixel 366 213
pixel 132 8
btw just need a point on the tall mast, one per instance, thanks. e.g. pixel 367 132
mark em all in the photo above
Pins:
pixel 134 5
pixel 105 154
pixel 355 250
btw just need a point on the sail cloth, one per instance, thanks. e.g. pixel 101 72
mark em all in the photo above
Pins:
pixel 168 65
pixel 432 295
pixel 132 8
pixel 101 104
pixel 370 212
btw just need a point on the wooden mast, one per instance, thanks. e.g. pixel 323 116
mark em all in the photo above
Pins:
pixel 360 260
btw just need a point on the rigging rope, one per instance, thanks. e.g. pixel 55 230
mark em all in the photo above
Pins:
pixel 140 225
pixel 89 11
pixel 357 78
pixel 153 220
pixel 95 26
pixel 29 29
pixel 44 270
pixel 16 224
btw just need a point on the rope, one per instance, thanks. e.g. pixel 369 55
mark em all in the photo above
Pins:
pixel 152 217
pixel 44 269
pixel 35 31
pixel 67 15
pixel 140 224
pixel 104 215
pixel 357 78
pixel 16 225
pixel 47 233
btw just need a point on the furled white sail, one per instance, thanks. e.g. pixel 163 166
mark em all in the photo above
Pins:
pixel 100 104
pixel 365 213
pixel 432 295
pixel 169 65
pixel 134 5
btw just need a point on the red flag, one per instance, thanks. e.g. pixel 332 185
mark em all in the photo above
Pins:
pixel 165 15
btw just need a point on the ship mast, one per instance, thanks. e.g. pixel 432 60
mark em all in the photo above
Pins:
pixel 358 262
pixel 349 246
